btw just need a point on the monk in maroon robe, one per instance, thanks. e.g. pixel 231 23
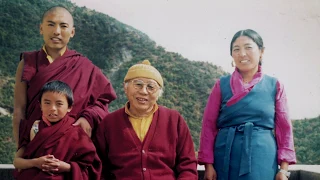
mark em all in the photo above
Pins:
pixel 65 142
pixel 57 150
pixel 143 140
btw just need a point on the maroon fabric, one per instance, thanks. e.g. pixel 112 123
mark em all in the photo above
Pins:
pixel 92 90
pixel 167 151
pixel 67 143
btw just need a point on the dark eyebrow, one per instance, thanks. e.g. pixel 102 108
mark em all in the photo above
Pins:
pixel 63 23
pixel 46 100
pixel 50 22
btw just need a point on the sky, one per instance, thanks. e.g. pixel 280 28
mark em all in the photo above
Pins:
pixel 201 30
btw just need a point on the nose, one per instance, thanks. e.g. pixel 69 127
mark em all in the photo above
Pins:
pixel 144 89
pixel 57 30
pixel 53 108
pixel 243 52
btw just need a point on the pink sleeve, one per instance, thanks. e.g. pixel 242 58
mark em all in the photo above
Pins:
pixel 283 129
pixel 209 126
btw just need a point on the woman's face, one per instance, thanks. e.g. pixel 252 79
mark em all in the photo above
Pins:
pixel 142 94
pixel 246 54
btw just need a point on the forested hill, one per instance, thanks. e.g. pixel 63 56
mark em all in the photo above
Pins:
pixel 114 47
pixel 111 45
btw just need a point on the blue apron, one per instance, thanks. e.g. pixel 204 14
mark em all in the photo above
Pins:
pixel 245 147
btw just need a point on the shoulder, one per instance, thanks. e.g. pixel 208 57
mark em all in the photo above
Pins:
pixel 166 110
pixel 171 115
pixel 113 117
pixel 225 77
pixel 270 78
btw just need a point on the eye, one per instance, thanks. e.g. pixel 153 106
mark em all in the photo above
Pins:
pixel 60 104
pixel 50 24
pixel 46 102
pixel 151 86
pixel 248 47
pixel 235 50
pixel 138 84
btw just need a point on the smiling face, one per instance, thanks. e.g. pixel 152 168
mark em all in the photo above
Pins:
pixel 140 98
pixel 57 29
pixel 54 106
pixel 246 54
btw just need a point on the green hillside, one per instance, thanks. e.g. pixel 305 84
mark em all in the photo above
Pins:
pixel 114 47
pixel 111 45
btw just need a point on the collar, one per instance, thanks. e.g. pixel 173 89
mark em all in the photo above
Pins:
pixel 127 105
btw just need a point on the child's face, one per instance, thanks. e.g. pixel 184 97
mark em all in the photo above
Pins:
pixel 54 106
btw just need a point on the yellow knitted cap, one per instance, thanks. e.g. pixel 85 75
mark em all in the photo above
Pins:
pixel 145 70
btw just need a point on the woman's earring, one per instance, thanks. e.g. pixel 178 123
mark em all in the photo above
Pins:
pixel 232 63
pixel 260 61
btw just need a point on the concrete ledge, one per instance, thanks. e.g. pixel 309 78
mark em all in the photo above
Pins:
pixel 298 172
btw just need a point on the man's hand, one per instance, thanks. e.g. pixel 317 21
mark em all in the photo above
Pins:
pixel 84 125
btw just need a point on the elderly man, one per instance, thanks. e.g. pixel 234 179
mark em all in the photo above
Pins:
pixel 144 140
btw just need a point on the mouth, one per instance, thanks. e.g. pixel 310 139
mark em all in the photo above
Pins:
pixel 53 115
pixel 142 100
pixel 55 39
pixel 244 61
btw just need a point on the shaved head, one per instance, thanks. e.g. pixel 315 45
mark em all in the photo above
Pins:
pixel 55 9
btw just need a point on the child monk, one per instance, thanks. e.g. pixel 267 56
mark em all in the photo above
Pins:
pixel 57 150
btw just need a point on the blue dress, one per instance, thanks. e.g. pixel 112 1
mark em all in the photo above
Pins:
pixel 245 147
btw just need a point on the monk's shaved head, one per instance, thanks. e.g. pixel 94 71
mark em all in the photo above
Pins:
pixel 55 9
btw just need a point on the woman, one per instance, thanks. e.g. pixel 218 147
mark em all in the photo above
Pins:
pixel 237 140
pixel 144 140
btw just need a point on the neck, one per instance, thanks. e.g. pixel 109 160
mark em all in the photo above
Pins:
pixel 55 53
pixel 247 76
pixel 140 114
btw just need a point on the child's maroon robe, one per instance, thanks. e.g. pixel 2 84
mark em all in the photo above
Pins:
pixel 67 143
pixel 92 90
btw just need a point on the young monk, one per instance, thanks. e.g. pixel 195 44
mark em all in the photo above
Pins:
pixel 57 149
pixel 54 61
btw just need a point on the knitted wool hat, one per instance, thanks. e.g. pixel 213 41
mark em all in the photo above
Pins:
pixel 145 70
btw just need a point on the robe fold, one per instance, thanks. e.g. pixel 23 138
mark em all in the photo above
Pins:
pixel 92 90
pixel 67 143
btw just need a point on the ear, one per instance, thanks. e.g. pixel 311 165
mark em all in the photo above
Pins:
pixel 41 30
pixel 125 88
pixel 69 109
pixel 262 52
pixel 73 32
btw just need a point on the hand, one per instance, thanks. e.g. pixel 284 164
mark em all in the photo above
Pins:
pixel 38 162
pixel 56 166
pixel 281 176
pixel 84 125
pixel 210 172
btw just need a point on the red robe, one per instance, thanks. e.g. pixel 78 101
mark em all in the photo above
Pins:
pixel 91 89
pixel 67 143
pixel 167 152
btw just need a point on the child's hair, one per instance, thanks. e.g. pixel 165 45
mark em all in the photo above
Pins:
pixel 58 87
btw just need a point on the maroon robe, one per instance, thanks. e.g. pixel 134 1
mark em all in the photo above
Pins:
pixel 92 90
pixel 67 143
pixel 167 152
